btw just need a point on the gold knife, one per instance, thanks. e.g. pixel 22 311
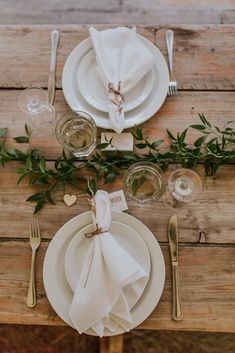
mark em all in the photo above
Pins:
pixel 51 81
pixel 173 241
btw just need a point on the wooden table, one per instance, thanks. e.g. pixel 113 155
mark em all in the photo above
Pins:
pixel 205 70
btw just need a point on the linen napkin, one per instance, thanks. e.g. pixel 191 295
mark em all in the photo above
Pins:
pixel 111 281
pixel 122 61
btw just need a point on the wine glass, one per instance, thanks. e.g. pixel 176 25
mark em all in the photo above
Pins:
pixel 184 185
pixel 144 182
pixel 34 102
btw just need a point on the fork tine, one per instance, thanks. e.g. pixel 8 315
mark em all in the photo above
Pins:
pixel 170 90
pixel 31 228
pixel 37 229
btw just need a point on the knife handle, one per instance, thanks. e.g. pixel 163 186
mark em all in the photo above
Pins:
pixel 54 42
pixel 176 309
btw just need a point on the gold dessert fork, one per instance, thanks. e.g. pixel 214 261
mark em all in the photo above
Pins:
pixel 35 240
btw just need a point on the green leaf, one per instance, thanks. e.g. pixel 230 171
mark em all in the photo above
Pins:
pixel 138 135
pixel 141 145
pixel 130 156
pixel 28 130
pixel 200 141
pixel 198 127
pixel 39 205
pixel 204 120
pixel 22 139
pixel 3 132
pixel 29 162
pixel 110 177
pixel 102 146
pixel 156 144
pixel 137 183
pixel 170 135
pixel 42 165
pixel 21 178
pixel 36 197
pixel 42 180
pixel 183 135
pixel 49 197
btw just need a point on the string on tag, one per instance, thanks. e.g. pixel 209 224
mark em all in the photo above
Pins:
pixel 97 231
pixel 115 96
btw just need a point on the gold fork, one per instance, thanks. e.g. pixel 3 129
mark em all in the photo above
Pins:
pixel 35 240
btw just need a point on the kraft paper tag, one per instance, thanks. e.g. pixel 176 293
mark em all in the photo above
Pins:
pixel 118 201
pixel 122 142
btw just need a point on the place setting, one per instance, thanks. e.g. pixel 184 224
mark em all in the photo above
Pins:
pixel 96 68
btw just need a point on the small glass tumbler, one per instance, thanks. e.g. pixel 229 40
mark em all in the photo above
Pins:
pixel 184 185
pixel 76 132
pixel 144 182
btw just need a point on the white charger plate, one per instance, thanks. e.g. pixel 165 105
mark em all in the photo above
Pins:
pixel 127 237
pixel 94 92
pixel 132 118
pixel 56 286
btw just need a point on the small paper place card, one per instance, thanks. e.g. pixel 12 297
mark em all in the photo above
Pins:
pixel 118 201
pixel 122 142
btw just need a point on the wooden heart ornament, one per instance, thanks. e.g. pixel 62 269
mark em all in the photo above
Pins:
pixel 69 200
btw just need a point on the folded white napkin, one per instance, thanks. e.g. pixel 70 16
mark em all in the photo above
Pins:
pixel 110 283
pixel 122 61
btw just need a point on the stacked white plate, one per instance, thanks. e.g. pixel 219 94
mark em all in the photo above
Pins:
pixel 67 250
pixel 84 90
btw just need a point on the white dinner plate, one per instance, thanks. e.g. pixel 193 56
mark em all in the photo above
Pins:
pixel 94 92
pixel 56 286
pixel 127 237
pixel 133 117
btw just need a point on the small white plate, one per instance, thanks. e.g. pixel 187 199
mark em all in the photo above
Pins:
pixel 127 237
pixel 56 286
pixel 133 117
pixel 94 92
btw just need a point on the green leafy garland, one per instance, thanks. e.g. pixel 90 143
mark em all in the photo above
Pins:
pixel 214 148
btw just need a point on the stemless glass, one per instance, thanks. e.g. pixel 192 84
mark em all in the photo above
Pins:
pixel 34 102
pixel 76 132
pixel 184 185
pixel 144 182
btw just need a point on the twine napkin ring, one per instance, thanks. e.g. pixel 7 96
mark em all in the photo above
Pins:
pixel 116 97
pixel 97 231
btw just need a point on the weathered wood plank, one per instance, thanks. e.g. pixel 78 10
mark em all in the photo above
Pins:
pixel 203 54
pixel 176 114
pixel 207 276
pixel 127 11
pixel 212 214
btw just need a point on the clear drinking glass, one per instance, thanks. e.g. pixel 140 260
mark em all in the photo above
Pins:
pixel 184 185
pixel 76 132
pixel 144 182
pixel 42 116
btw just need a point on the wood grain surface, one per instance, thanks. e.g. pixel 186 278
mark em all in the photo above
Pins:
pixel 117 11
pixel 207 275
pixel 204 67
pixel 207 50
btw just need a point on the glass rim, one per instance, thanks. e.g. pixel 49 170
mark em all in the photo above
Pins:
pixel 155 169
pixel 27 90
pixel 189 171
pixel 69 116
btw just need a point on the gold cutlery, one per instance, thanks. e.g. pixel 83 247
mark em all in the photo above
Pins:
pixel 172 87
pixel 51 82
pixel 173 241
pixel 35 240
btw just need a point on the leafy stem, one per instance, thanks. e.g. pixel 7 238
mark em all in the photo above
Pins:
pixel 215 147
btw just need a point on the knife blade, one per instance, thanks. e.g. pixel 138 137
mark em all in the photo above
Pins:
pixel 173 242
pixel 173 238
pixel 51 81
